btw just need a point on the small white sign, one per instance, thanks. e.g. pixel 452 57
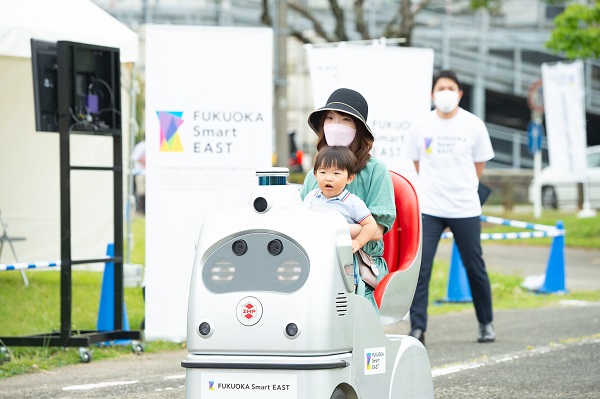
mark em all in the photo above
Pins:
pixel 374 361
pixel 396 82
pixel 564 105
pixel 235 385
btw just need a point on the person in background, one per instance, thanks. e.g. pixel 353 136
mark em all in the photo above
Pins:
pixel 450 147
pixel 138 155
pixel 296 155
pixel 334 169
pixel 343 122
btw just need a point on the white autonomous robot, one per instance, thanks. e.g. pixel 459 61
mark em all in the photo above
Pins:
pixel 272 313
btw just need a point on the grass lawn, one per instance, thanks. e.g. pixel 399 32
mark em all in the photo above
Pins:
pixel 579 232
pixel 36 309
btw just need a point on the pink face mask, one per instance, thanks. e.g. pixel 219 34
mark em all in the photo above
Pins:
pixel 338 134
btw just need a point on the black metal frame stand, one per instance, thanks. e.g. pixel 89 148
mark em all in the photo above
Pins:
pixel 66 337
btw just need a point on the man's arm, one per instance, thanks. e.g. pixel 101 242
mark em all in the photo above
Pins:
pixel 479 166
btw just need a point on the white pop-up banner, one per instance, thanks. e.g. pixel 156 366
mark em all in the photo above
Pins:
pixel 564 110
pixel 208 128
pixel 395 81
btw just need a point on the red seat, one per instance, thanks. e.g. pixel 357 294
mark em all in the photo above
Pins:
pixel 402 253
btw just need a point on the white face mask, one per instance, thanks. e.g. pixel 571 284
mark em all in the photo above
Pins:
pixel 338 134
pixel 446 100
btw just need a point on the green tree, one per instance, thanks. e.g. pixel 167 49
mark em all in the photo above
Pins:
pixel 492 6
pixel 577 31
pixel 399 25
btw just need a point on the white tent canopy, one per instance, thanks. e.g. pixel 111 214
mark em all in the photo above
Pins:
pixel 29 160
pixel 53 20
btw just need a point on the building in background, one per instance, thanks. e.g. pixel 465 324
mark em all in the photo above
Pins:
pixel 498 56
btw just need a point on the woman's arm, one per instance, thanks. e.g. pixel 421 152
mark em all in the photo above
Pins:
pixel 374 186
pixel 368 228
pixel 355 230
pixel 378 235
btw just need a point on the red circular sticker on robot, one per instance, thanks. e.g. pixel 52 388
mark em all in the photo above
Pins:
pixel 249 311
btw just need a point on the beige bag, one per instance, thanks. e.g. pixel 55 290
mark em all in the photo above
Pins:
pixel 367 269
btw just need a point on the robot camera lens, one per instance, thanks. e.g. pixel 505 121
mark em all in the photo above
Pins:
pixel 291 329
pixel 275 247
pixel 260 204
pixel 204 328
pixel 239 247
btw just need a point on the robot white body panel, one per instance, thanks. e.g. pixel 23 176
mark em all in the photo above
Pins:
pixel 272 313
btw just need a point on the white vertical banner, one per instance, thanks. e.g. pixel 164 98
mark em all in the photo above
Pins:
pixel 209 100
pixel 564 108
pixel 395 81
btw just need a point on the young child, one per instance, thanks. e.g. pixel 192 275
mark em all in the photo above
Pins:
pixel 335 168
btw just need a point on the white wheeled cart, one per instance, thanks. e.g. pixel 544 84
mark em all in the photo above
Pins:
pixel 272 313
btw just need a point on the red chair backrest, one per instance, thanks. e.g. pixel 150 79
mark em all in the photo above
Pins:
pixel 403 241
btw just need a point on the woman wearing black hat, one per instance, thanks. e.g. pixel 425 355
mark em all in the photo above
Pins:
pixel 343 121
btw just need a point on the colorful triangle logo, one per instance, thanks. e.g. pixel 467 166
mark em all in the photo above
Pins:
pixel 169 136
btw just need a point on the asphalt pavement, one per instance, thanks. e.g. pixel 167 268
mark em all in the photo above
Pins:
pixel 548 353
pixel 551 352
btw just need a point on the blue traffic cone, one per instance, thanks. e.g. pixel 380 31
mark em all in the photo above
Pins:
pixel 106 310
pixel 555 269
pixel 458 284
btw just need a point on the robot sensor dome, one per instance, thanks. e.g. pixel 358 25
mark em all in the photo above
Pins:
pixel 272 176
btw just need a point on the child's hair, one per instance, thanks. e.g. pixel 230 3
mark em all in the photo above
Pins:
pixel 336 157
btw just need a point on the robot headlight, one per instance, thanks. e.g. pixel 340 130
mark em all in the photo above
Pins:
pixel 222 271
pixel 288 271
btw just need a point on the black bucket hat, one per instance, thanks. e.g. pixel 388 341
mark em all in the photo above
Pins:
pixel 342 100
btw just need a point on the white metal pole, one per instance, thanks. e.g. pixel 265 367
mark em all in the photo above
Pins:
pixel 537 166
pixel 587 211
pixel 130 197
pixel 537 170
pixel 282 147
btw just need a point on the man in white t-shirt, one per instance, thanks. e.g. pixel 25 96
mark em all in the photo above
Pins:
pixel 450 147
